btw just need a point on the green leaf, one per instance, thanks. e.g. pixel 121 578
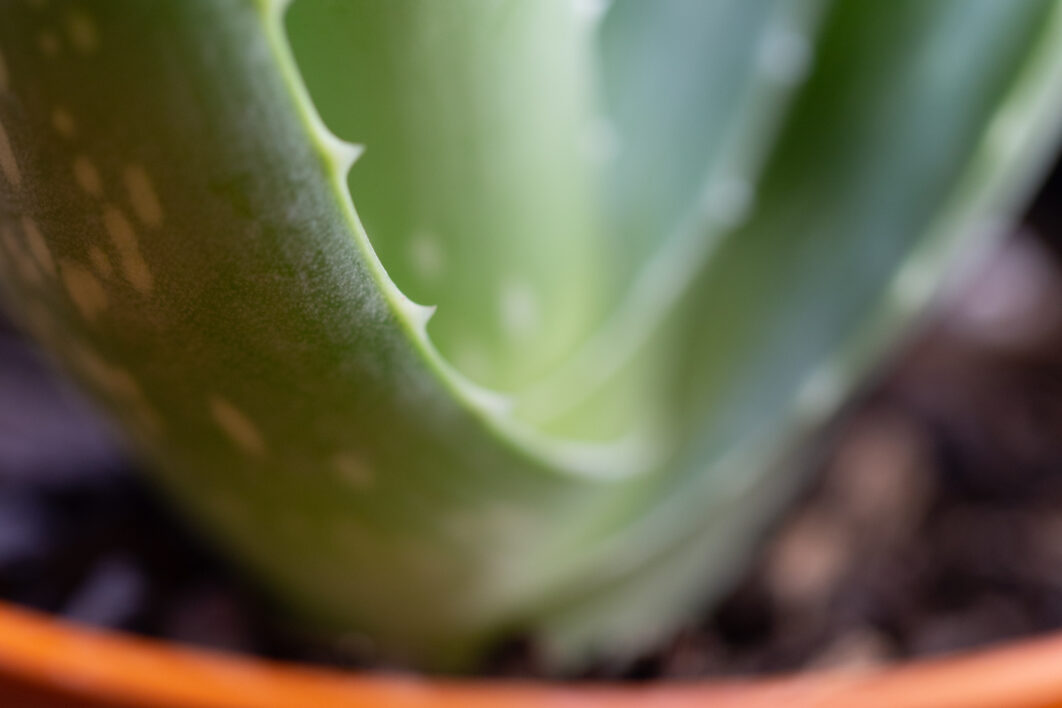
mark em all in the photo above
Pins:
pixel 475 192
pixel 181 229
pixel 920 131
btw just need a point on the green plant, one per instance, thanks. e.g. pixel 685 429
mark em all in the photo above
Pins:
pixel 664 239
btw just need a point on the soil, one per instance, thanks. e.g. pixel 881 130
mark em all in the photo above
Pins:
pixel 934 524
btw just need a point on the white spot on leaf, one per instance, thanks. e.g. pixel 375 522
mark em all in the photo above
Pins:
pixel 727 201
pixel 142 195
pixel 426 254
pixel 24 263
pixel 472 360
pixel 8 165
pixel 38 319
pixel 119 384
pixel 101 263
pixel 913 285
pixel 82 32
pixel 784 55
pixel 519 310
pixel 107 376
pixel 87 176
pixel 1006 132
pixel 37 245
pixel 820 393
pixel 48 43
pixel 353 470
pixel 63 122
pixel 590 11
pixel 85 290
pixel 125 242
pixel 237 426
pixel 601 141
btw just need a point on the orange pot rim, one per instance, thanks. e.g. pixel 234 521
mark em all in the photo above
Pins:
pixel 60 663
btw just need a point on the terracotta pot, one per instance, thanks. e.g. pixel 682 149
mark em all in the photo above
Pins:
pixel 49 663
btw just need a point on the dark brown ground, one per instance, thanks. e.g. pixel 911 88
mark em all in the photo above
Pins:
pixel 935 524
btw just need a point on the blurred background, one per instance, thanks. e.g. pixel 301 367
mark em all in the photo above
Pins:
pixel 934 521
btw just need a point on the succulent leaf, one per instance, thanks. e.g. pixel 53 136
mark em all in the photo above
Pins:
pixel 663 240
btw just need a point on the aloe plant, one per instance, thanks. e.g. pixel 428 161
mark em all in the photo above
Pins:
pixel 455 319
